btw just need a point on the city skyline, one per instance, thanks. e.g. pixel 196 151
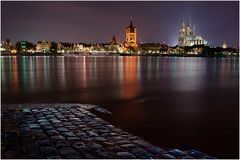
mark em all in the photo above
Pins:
pixel 96 22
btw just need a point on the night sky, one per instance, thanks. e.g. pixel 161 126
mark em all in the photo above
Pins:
pixel 98 21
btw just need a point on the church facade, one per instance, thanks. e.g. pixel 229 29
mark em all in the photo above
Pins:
pixel 131 37
pixel 187 36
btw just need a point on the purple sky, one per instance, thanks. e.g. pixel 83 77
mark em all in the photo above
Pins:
pixel 98 21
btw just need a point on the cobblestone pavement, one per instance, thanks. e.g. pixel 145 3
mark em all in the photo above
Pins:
pixel 72 131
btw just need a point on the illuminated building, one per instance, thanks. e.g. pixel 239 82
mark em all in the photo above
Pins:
pixel 2 48
pixel 224 45
pixel 13 51
pixel 43 46
pixel 187 36
pixel 131 37
pixel 59 47
pixel 77 47
pixel 7 46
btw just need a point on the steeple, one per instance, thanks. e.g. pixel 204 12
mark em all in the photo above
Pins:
pixel 224 45
pixel 183 28
pixel 187 35
pixel 131 36
pixel 183 24
pixel 114 41
pixel 131 27
pixel 131 24
pixel 189 20
pixel 189 26
pixel 182 33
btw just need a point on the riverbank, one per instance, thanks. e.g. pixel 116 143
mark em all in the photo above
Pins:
pixel 73 131
pixel 117 54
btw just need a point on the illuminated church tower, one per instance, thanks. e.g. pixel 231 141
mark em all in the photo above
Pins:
pixel 182 34
pixel 187 36
pixel 131 37
pixel 189 28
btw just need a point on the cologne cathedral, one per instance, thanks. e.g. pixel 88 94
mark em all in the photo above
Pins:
pixel 187 36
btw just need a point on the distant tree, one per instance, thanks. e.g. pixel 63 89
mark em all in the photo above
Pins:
pixel 209 52
pixel 53 48
pixel 23 46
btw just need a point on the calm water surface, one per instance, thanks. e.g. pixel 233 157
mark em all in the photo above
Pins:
pixel 171 102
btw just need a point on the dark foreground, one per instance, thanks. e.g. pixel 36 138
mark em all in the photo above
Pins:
pixel 72 131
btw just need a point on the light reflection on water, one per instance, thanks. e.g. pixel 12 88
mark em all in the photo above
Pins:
pixel 156 97
pixel 127 76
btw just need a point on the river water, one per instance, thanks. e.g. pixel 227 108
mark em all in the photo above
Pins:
pixel 172 102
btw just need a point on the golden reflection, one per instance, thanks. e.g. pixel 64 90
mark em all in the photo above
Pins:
pixel 130 85
pixel 120 68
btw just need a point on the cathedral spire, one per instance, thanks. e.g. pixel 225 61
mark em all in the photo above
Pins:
pixel 183 24
pixel 189 18
pixel 131 24
pixel 131 27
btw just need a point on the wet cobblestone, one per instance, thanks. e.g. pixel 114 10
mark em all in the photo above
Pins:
pixel 73 132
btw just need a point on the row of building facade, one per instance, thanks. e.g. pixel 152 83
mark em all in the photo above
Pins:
pixel 187 38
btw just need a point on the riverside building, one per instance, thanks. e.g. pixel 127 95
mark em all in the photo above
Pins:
pixel 43 46
pixel 187 36
pixel 131 37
